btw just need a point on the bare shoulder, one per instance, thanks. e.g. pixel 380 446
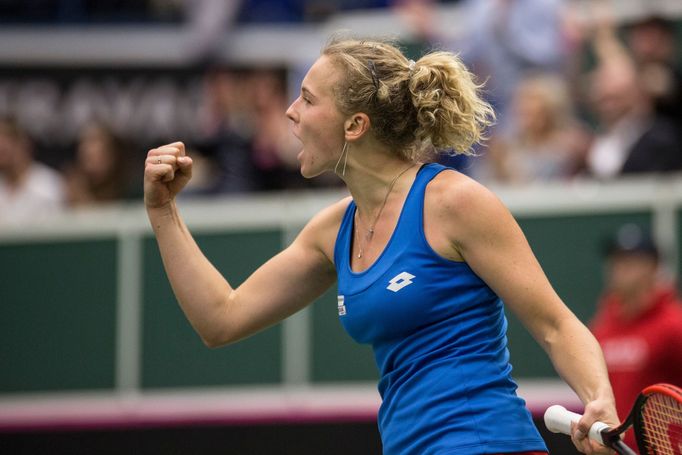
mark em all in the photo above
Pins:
pixel 322 229
pixel 459 209
pixel 454 194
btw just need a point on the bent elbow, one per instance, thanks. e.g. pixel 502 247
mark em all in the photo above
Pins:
pixel 221 340
pixel 213 342
pixel 210 343
pixel 216 332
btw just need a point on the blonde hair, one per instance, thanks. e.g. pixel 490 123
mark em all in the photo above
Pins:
pixel 417 108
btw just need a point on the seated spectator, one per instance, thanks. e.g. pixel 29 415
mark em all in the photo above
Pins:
pixel 544 140
pixel 639 319
pixel 99 172
pixel 29 191
pixel 652 42
pixel 631 138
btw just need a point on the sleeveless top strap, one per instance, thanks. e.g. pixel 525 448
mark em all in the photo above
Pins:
pixel 411 219
pixel 409 222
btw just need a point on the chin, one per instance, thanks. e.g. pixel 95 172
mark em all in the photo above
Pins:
pixel 310 173
pixel 310 169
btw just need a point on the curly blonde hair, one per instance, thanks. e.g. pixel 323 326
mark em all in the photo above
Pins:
pixel 417 108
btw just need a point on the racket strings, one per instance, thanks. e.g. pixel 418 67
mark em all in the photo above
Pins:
pixel 662 425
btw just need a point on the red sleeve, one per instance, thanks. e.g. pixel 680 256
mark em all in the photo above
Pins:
pixel 674 349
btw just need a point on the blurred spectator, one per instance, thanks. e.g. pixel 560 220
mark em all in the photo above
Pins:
pixel 422 33
pixel 274 148
pixel 639 319
pixel 248 135
pixel 100 170
pixel 227 130
pixel 505 39
pixel 632 138
pixel 29 190
pixel 544 140
pixel 502 41
pixel 421 30
pixel 653 44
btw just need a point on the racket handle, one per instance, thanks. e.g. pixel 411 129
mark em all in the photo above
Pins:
pixel 558 420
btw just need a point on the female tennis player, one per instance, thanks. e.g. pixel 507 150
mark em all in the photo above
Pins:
pixel 423 257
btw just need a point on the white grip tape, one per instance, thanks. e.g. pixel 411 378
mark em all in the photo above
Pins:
pixel 558 420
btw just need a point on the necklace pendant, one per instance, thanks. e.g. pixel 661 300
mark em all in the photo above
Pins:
pixel 359 254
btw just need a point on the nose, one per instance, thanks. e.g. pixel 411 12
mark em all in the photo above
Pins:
pixel 291 111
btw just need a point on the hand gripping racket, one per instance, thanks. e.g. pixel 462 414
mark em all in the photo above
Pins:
pixel 656 419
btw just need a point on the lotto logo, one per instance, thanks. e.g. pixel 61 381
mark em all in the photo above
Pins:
pixel 400 281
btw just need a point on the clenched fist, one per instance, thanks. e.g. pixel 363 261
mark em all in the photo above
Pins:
pixel 166 171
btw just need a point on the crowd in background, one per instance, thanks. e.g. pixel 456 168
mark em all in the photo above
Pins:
pixel 574 98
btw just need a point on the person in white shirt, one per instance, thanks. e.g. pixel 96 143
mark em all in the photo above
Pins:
pixel 29 191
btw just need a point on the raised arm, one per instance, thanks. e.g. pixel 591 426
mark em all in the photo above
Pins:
pixel 218 312
pixel 481 231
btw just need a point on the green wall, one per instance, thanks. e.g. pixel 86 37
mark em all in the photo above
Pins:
pixel 173 355
pixel 57 315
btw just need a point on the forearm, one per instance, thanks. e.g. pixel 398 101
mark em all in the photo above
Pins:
pixel 200 289
pixel 578 359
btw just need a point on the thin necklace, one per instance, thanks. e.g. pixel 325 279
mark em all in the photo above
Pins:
pixel 370 231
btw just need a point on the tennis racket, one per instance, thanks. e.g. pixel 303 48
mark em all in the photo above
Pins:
pixel 656 419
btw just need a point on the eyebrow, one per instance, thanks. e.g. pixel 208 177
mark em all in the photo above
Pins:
pixel 307 92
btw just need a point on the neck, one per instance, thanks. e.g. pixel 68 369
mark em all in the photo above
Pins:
pixel 636 302
pixel 369 175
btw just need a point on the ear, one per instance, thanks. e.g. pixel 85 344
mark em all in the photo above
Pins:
pixel 356 126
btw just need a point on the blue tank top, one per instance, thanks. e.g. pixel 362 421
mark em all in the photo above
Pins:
pixel 439 338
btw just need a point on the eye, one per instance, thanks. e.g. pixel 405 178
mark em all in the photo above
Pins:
pixel 305 100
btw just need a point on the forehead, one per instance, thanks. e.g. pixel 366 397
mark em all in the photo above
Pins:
pixel 322 76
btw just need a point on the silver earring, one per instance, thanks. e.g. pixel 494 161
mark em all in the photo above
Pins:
pixel 344 151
